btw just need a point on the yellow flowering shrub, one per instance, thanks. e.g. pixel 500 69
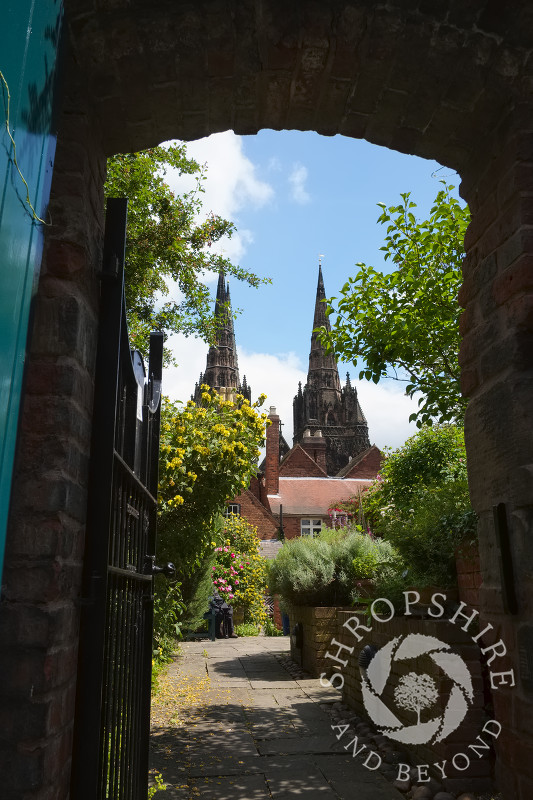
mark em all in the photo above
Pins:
pixel 208 454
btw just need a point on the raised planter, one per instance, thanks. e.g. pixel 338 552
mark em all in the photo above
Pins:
pixel 318 627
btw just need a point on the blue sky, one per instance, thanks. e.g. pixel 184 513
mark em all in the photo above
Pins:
pixel 294 196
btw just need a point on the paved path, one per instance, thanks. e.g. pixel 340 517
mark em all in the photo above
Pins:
pixel 237 726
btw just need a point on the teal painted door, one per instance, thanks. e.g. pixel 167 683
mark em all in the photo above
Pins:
pixel 29 37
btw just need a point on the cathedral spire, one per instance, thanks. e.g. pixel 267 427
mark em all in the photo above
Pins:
pixel 323 405
pixel 322 366
pixel 222 369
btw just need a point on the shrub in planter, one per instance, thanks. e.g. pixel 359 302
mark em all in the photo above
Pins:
pixel 326 570
pixel 303 572
pixel 359 560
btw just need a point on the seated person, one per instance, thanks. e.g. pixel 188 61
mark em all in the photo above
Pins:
pixel 224 618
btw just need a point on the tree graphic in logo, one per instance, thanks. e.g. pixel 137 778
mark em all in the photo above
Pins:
pixel 415 692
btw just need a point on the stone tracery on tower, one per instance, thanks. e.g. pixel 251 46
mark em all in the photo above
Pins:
pixel 222 368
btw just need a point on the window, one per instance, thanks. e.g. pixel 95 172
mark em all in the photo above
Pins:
pixel 232 508
pixel 310 527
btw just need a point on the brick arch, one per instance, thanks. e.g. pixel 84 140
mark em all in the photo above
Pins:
pixel 447 80
pixel 432 80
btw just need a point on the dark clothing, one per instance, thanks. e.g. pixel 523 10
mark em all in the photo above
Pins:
pixel 224 618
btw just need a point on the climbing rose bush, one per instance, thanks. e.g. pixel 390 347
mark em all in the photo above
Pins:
pixel 240 571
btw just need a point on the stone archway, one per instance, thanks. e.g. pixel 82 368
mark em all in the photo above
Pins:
pixel 448 81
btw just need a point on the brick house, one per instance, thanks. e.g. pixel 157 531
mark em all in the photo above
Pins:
pixel 298 491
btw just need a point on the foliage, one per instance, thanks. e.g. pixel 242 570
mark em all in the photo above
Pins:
pixel 433 456
pixel 208 454
pixel 269 628
pixel 405 324
pixel 166 244
pixel 158 786
pixel 239 574
pixel 428 536
pixel 167 607
pixel 197 587
pixel 359 557
pixel 303 572
pixel 420 503
pixel 325 570
pixel 247 629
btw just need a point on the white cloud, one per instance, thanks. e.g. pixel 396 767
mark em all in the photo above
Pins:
pixel 191 354
pixel 232 183
pixel 297 180
pixel 385 406
pixel 276 375
pixel 387 410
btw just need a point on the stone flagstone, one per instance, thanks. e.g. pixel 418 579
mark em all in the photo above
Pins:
pixel 241 728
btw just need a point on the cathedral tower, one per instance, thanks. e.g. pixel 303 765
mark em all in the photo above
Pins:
pixel 323 405
pixel 222 370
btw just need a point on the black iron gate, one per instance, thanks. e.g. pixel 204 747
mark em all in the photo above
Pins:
pixel 110 759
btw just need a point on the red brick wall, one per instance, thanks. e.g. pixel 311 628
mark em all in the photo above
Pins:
pixel 272 456
pixel 496 359
pixel 368 466
pixel 255 513
pixel 291 527
pixel 468 575
pixel 298 464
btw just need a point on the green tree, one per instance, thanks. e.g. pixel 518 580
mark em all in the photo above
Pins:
pixel 432 457
pixel 167 248
pixel 421 505
pixel 405 324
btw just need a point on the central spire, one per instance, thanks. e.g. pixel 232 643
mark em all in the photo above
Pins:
pixel 323 406
pixel 323 370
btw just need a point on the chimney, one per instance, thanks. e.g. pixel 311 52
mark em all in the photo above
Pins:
pixel 315 446
pixel 272 454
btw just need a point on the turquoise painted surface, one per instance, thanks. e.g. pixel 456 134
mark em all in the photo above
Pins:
pixel 29 40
